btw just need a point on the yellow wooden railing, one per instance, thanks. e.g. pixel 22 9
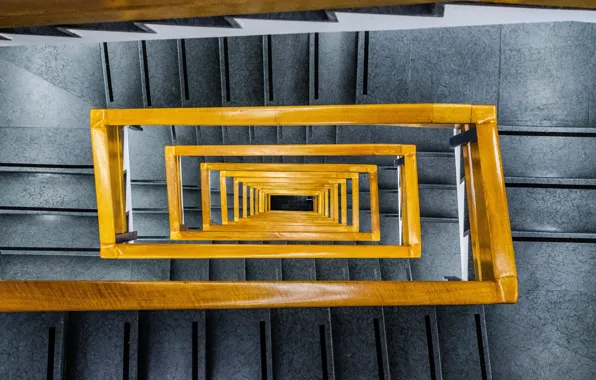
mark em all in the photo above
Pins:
pixel 278 179
pixel 178 231
pixel 496 277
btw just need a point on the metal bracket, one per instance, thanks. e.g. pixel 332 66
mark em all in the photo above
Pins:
pixel 126 237
pixel 399 161
pixel 463 138
pixel 452 278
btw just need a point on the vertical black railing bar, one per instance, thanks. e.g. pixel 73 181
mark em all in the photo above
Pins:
pixel 195 351
pixel 108 73
pixel 316 67
pixel 365 64
pixel 184 70
pixel 263 340
pixel 431 351
pixel 145 64
pixel 226 68
pixel 51 352
pixel 126 352
pixel 270 68
pixel 323 343
pixel 484 374
pixel 379 346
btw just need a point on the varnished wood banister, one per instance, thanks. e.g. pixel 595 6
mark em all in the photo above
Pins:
pixel 479 230
pixel 416 115
pixel 497 213
pixel 147 295
pixel 483 171
pixel 507 288
pixel 261 179
pixel 23 13
pixel 294 150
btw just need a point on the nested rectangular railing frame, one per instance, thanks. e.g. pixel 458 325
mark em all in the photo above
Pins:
pixel 409 189
pixel 497 282
pixel 281 182
pixel 263 224
pixel 262 189
pixel 274 221
pixel 302 173
pixel 318 206
pixel 265 201
pixel 109 248
pixel 284 186
pixel 317 192
pixel 178 231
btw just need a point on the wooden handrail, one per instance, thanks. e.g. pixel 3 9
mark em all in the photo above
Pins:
pixel 496 282
pixel 146 295
pixel 281 173
pixel 22 13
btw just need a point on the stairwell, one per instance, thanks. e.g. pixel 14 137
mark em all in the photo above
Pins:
pixel 540 77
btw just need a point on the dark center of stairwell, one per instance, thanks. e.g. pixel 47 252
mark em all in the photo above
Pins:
pixel 291 203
